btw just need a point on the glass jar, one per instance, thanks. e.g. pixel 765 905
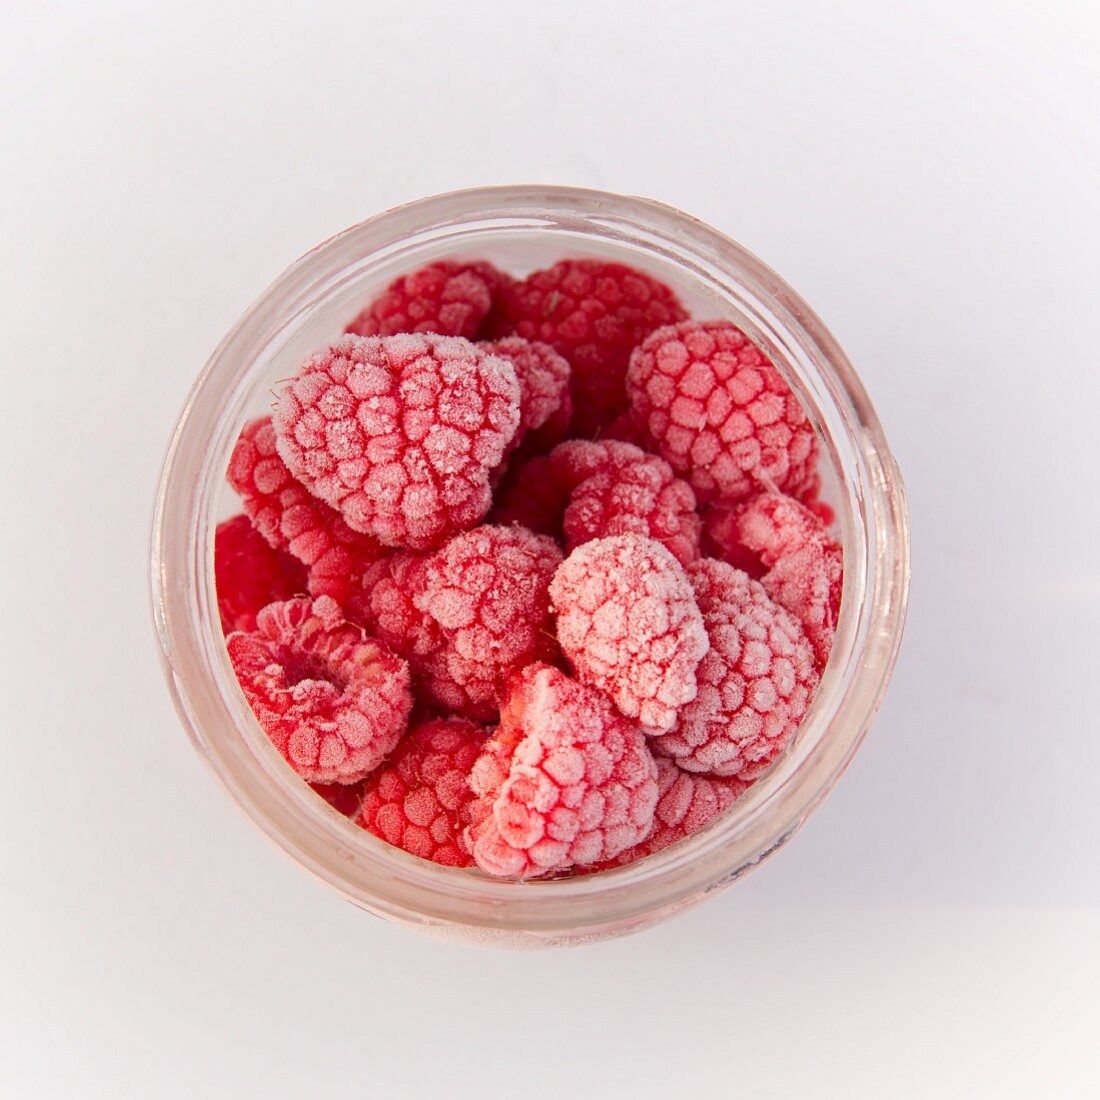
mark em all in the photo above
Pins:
pixel 520 229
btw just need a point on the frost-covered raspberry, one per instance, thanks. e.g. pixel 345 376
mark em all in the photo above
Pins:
pixel 249 573
pixel 805 565
pixel 418 800
pixel 755 683
pixel 545 407
pixel 333 701
pixel 400 433
pixel 448 298
pixel 625 491
pixel 685 803
pixel 290 518
pixel 629 626
pixel 344 798
pixel 594 313
pixel 564 781
pixel 720 413
pixel 470 615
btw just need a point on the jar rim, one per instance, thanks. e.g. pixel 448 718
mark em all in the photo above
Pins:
pixel 384 879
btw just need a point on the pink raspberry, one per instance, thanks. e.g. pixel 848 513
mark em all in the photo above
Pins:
pixel 720 413
pixel 400 433
pixel 451 299
pixel 249 574
pixel 629 626
pixel 564 781
pixel 333 701
pixel 418 801
pixel 545 407
pixel 805 566
pixel 470 615
pixel 755 683
pixel 294 520
pixel 624 491
pixel 344 798
pixel 685 804
pixel 594 313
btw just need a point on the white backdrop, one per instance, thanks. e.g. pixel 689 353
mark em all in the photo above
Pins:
pixel 926 175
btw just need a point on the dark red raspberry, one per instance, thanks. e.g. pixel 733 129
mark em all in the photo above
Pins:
pixel 418 800
pixel 333 701
pixel 755 683
pixel 290 518
pixel 545 408
pixel 594 313
pixel 344 798
pixel 448 298
pixel 805 565
pixel 720 413
pixel 400 433
pixel 565 780
pixel 249 573
pixel 685 804
pixel 629 626
pixel 470 615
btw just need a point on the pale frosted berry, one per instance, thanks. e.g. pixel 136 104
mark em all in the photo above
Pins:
pixel 333 701
pixel 291 518
pixel 564 781
pixel 470 614
pixel 400 433
pixel 804 564
pixel 720 413
pixel 629 626
pixel 249 573
pixel 418 799
pixel 594 313
pixel 755 683
pixel 448 298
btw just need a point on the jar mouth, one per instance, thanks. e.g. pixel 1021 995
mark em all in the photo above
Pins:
pixel 288 320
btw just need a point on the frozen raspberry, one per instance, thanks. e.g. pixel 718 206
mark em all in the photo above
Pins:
pixel 451 299
pixel 333 701
pixel 400 433
pixel 250 574
pixel 470 615
pixel 629 626
pixel 417 801
pixel 344 798
pixel 685 804
pixel 805 566
pixel 722 540
pixel 564 781
pixel 755 683
pixel 625 490
pixel 594 313
pixel 545 408
pixel 720 413
pixel 644 498
pixel 294 520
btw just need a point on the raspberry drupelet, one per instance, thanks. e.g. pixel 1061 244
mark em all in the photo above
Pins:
pixel 333 701
pixel 755 683
pixel 290 518
pixel 418 800
pixel 448 298
pixel 565 780
pixel 594 313
pixel 400 433
pixel 719 413
pixel 470 615
pixel 629 626
pixel 249 574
